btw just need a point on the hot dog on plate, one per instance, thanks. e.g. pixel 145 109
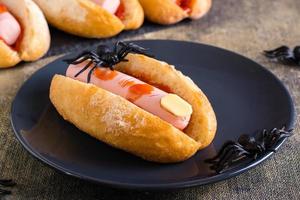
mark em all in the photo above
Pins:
pixel 104 108
pixel 172 11
pixel 93 18
pixel 24 33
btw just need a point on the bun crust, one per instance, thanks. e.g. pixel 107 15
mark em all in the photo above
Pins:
pixel 167 12
pixel 87 19
pixel 134 14
pixel 8 56
pixel 199 8
pixel 121 124
pixel 35 38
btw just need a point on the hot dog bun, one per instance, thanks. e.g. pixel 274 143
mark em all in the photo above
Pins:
pixel 87 19
pixel 35 38
pixel 119 123
pixel 134 14
pixel 8 56
pixel 199 8
pixel 168 12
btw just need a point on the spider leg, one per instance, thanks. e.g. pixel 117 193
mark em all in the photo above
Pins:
pixel 82 57
pixel 83 54
pixel 122 44
pixel 232 156
pixel 139 50
pixel 133 46
pixel 90 74
pixel 228 154
pixel 275 136
pixel 117 44
pixel 75 62
pixel 7 182
pixel 124 53
pixel 121 53
pixel 236 147
pixel 276 52
pixel 224 149
pixel 130 47
pixel 225 161
pixel 85 68
pixel 287 60
pixel 282 54
pixel 4 192
pixel 99 63
pixel 94 55
pixel 287 53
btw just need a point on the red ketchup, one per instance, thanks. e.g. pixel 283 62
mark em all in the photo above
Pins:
pixel 184 4
pixel 120 13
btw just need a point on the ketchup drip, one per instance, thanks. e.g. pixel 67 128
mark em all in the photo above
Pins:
pixel 135 90
pixel 138 90
pixel 184 4
pixel 105 74
pixel 120 13
pixel 3 9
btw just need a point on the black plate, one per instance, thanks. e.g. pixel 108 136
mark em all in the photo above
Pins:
pixel 246 98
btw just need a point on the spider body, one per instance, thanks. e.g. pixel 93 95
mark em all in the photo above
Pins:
pixel 104 57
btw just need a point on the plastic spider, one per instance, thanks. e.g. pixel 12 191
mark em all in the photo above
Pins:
pixel 6 183
pixel 247 147
pixel 285 55
pixel 104 57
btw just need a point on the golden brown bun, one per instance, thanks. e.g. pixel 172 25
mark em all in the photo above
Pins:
pixel 35 38
pixel 167 12
pixel 199 8
pixel 134 14
pixel 119 123
pixel 87 19
pixel 8 57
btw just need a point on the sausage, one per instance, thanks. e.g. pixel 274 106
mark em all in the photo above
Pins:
pixel 10 29
pixel 109 5
pixel 134 90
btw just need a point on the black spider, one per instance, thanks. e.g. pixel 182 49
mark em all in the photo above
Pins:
pixel 6 183
pixel 247 147
pixel 104 57
pixel 285 55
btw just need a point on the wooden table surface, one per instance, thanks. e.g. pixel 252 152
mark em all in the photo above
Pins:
pixel 244 26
